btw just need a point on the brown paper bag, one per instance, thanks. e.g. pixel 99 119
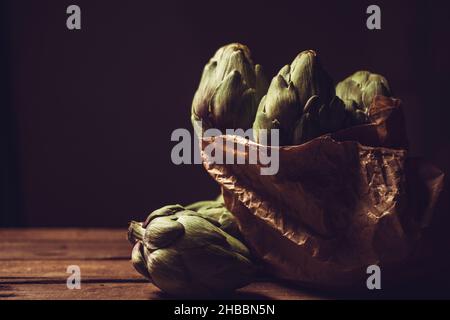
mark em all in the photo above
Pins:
pixel 339 203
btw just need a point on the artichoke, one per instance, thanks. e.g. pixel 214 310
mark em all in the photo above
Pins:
pixel 230 89
pixel 319 118
pixel 217 211
pixel 300 102
pixel 358 90
pixel 187 253
pixel 309 78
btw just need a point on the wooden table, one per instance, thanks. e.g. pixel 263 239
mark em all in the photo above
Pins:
pixel 33 265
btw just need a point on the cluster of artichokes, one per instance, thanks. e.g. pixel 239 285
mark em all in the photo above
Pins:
pixel 301 100
pixel 197 249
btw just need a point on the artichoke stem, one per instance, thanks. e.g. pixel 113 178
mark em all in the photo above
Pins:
pixel 135 232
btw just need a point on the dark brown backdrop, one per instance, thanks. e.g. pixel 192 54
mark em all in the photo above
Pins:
pixel 89 113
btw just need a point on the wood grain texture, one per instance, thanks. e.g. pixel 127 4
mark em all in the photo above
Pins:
pixel 33 264
pixel 57 244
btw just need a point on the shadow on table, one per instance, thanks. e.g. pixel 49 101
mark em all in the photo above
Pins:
pixel 436 287
pixel 234 296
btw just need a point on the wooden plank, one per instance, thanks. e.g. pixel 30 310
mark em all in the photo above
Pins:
pixel 51 275
pixel 135 291
pixel 64 234
pixel 64 250
pixel 88 291
pixel 63 244
pixel 39 271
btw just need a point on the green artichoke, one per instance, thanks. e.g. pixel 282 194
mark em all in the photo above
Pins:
pixel 300 102
pixel 319 118
pixel 230 89
pixel 216 210
pixel 186 253
pixel 358 90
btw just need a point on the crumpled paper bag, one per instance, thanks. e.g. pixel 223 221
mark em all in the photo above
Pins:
pixel 339 203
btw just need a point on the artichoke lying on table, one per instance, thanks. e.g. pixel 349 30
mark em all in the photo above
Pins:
pixel 187 252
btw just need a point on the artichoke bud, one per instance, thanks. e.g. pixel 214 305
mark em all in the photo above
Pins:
pixel 230 89
pixel 310 78
pixel 279 109
pixel 185 254
pixel 288 100
pixel 360 88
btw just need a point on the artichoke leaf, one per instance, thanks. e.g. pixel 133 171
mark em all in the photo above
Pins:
pixel 162 232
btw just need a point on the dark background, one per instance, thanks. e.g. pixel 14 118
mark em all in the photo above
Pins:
pixel 86 116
